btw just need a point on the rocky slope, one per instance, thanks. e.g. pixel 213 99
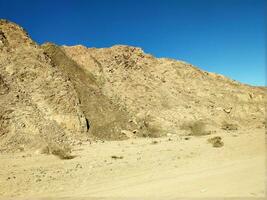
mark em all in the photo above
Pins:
pixel 38 103
pixel 106 119
pixel 59 94
pixel 168 95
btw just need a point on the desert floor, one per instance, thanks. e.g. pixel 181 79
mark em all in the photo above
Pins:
pixel 173 167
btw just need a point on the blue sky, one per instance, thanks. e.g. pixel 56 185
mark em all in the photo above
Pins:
pixel 222 36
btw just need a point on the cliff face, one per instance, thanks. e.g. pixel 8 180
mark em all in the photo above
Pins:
pixel 51 93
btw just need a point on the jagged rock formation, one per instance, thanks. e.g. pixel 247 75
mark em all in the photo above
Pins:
pixel 58 93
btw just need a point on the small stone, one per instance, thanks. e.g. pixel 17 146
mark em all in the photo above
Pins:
pixel 117 157
pixel 154 142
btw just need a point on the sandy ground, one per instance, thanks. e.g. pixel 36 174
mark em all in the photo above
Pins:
pixel 171 168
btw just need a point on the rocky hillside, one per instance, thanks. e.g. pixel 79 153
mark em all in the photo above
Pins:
pixel 168 96
pixel 60 94
pixel 38 103
pixel 107 120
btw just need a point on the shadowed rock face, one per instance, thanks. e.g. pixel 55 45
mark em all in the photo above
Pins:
pixel 105 118
pixel 50 93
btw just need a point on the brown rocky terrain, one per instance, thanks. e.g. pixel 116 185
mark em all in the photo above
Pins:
pixel 117 92
pixel 56 98
pixel 107 120
pixel 164 95
pixel 38 102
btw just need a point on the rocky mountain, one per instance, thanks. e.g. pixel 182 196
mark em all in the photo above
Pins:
pixel 60 94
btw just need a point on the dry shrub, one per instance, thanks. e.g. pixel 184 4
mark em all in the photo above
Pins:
pixel 153 128
pixel 196 128
pixel 154 142
pixel 165 103
pixel 61 151
pixel 229 126
pixel 216 141
pixel 4 122
pixel 153 132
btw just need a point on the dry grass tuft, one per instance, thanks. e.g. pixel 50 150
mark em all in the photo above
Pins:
pixel 63 152
pixel 216 141
pixel 154 142
pixel 196 128
pixel 153 128
pixel 229 126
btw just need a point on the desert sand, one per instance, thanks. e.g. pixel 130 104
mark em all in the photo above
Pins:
pixel 164 168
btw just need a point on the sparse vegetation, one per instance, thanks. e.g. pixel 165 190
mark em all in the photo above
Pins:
pixel 216 141
pixel 154 128
pixel 63 152
pixel 229 126
pixel 196 128
pixel 153 132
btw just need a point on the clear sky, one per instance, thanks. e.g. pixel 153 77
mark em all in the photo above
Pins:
pixel 222 36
